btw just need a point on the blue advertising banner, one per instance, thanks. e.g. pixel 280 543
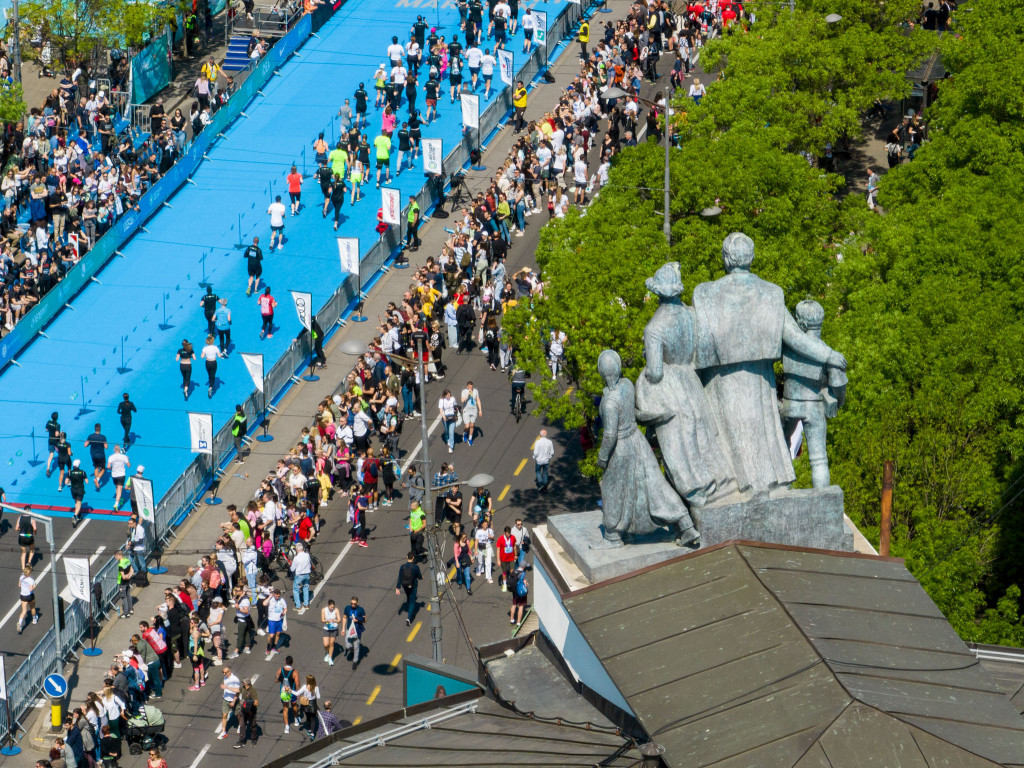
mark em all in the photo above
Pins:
pixel 151 70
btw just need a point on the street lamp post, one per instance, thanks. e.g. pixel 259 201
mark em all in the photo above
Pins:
pixel 16 42
pixel 617 93
pixel 356 349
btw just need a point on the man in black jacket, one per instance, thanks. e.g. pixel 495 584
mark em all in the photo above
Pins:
pixel 409 576
pixel 465 320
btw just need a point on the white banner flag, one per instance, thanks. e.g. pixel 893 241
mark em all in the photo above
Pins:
pixel 144 498
pixel 78 577
pixel 540 35
pixel 303 308
pixel 254 365
pixel 348 250
pixel 470 110
pixel 200 426
pixel 391 202
pixel 506 66
pixel 432 156
pixel 3 679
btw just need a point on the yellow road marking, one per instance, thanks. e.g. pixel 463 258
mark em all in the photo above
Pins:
pixel 504 492
pixel 415 629
pixel 429 607
pixel 358 720
pixel 520 467
pixel 373 696
pixel 396 661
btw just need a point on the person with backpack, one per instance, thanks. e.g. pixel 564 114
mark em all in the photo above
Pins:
pixel 463 557
pixel 288 683
pixel 388 475
pixel 520 593
pixel 247 714
pixel 354 623
pixel 409 576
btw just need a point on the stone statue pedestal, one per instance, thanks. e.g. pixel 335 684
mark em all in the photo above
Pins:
pixel 804 518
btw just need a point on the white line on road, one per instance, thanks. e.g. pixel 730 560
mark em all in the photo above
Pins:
pixel 46 570
pixel 332 569
pixel 200 756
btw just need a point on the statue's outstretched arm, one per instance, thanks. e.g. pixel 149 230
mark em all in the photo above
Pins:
pixel 817 350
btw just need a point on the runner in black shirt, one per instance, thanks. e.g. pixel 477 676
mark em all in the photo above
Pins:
pixel 63 459
pixel 361 97
pixel 431 90
pixel 414 133
pixel 411 93
pixel 254 258
pixel 209 305
pixel 404 146
pixel 53 437
pixel 337 197
pixel 323 175
pixel 454 48
pixel 125 409
pixel 394 91
pixel 419 30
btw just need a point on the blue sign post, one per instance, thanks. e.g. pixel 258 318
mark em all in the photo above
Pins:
pixel 55 687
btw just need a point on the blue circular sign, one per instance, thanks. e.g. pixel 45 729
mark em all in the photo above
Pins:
pixel 55 686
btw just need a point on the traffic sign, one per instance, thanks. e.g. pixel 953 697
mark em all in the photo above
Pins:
pixel 55 686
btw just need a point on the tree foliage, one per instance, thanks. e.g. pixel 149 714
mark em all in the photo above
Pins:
pixel 75 28
pixel 926 302
pixel 805 81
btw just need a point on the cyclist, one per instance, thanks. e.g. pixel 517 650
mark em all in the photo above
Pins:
pixel 518 379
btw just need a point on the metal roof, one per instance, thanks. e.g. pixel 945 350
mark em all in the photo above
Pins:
pixel 760 655
pixel 472 733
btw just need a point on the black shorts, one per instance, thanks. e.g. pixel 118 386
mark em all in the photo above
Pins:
pixel 295 196
pixel 53 447
pixel 28 598
pixel 118 481
pixel 99 463
pixel 63 463
pixel 77 495
pixel 326 189
pixel 255 271
pixel 383 163
pixel 455 79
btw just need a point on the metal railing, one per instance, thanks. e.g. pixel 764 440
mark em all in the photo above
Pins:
pixel 183 496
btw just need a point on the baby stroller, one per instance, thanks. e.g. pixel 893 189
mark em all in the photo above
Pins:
pixel 144 730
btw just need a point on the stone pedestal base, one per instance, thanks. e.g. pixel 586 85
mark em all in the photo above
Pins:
pixel 799 518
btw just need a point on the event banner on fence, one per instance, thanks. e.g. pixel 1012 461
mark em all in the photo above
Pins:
pixel 78 577
pixel 470 110
pixel 506 66
pixel 432 157
pixel 200 427
pixel 304 308
pixel 254 365
pixel 391 203
pixel 540 36
pixel 348 251
pixel 145 498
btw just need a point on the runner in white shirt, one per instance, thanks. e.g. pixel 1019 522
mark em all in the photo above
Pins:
pixel 118 464
pixel 473 57
pixel 395 52
pixel 529 27
pixel 276 211
pixel 399 74
pixel 27 590
pixel 487 64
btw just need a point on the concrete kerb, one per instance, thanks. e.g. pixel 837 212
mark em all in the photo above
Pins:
pixel 295 410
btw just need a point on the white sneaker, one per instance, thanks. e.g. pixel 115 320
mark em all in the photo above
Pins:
pixel 177 665
pixel 247 650
pixel 327 658
pixel 218 662
pixel 520 234
pixel 232 655
pixel 261 632
pixel 286 730
pixel 223 735
pixel 330 662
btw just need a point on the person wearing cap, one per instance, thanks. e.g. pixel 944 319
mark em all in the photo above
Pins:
pixel 125 574
pixel 76 479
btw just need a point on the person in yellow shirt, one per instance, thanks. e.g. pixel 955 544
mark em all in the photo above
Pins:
pixel 584 38
pixel 519 102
